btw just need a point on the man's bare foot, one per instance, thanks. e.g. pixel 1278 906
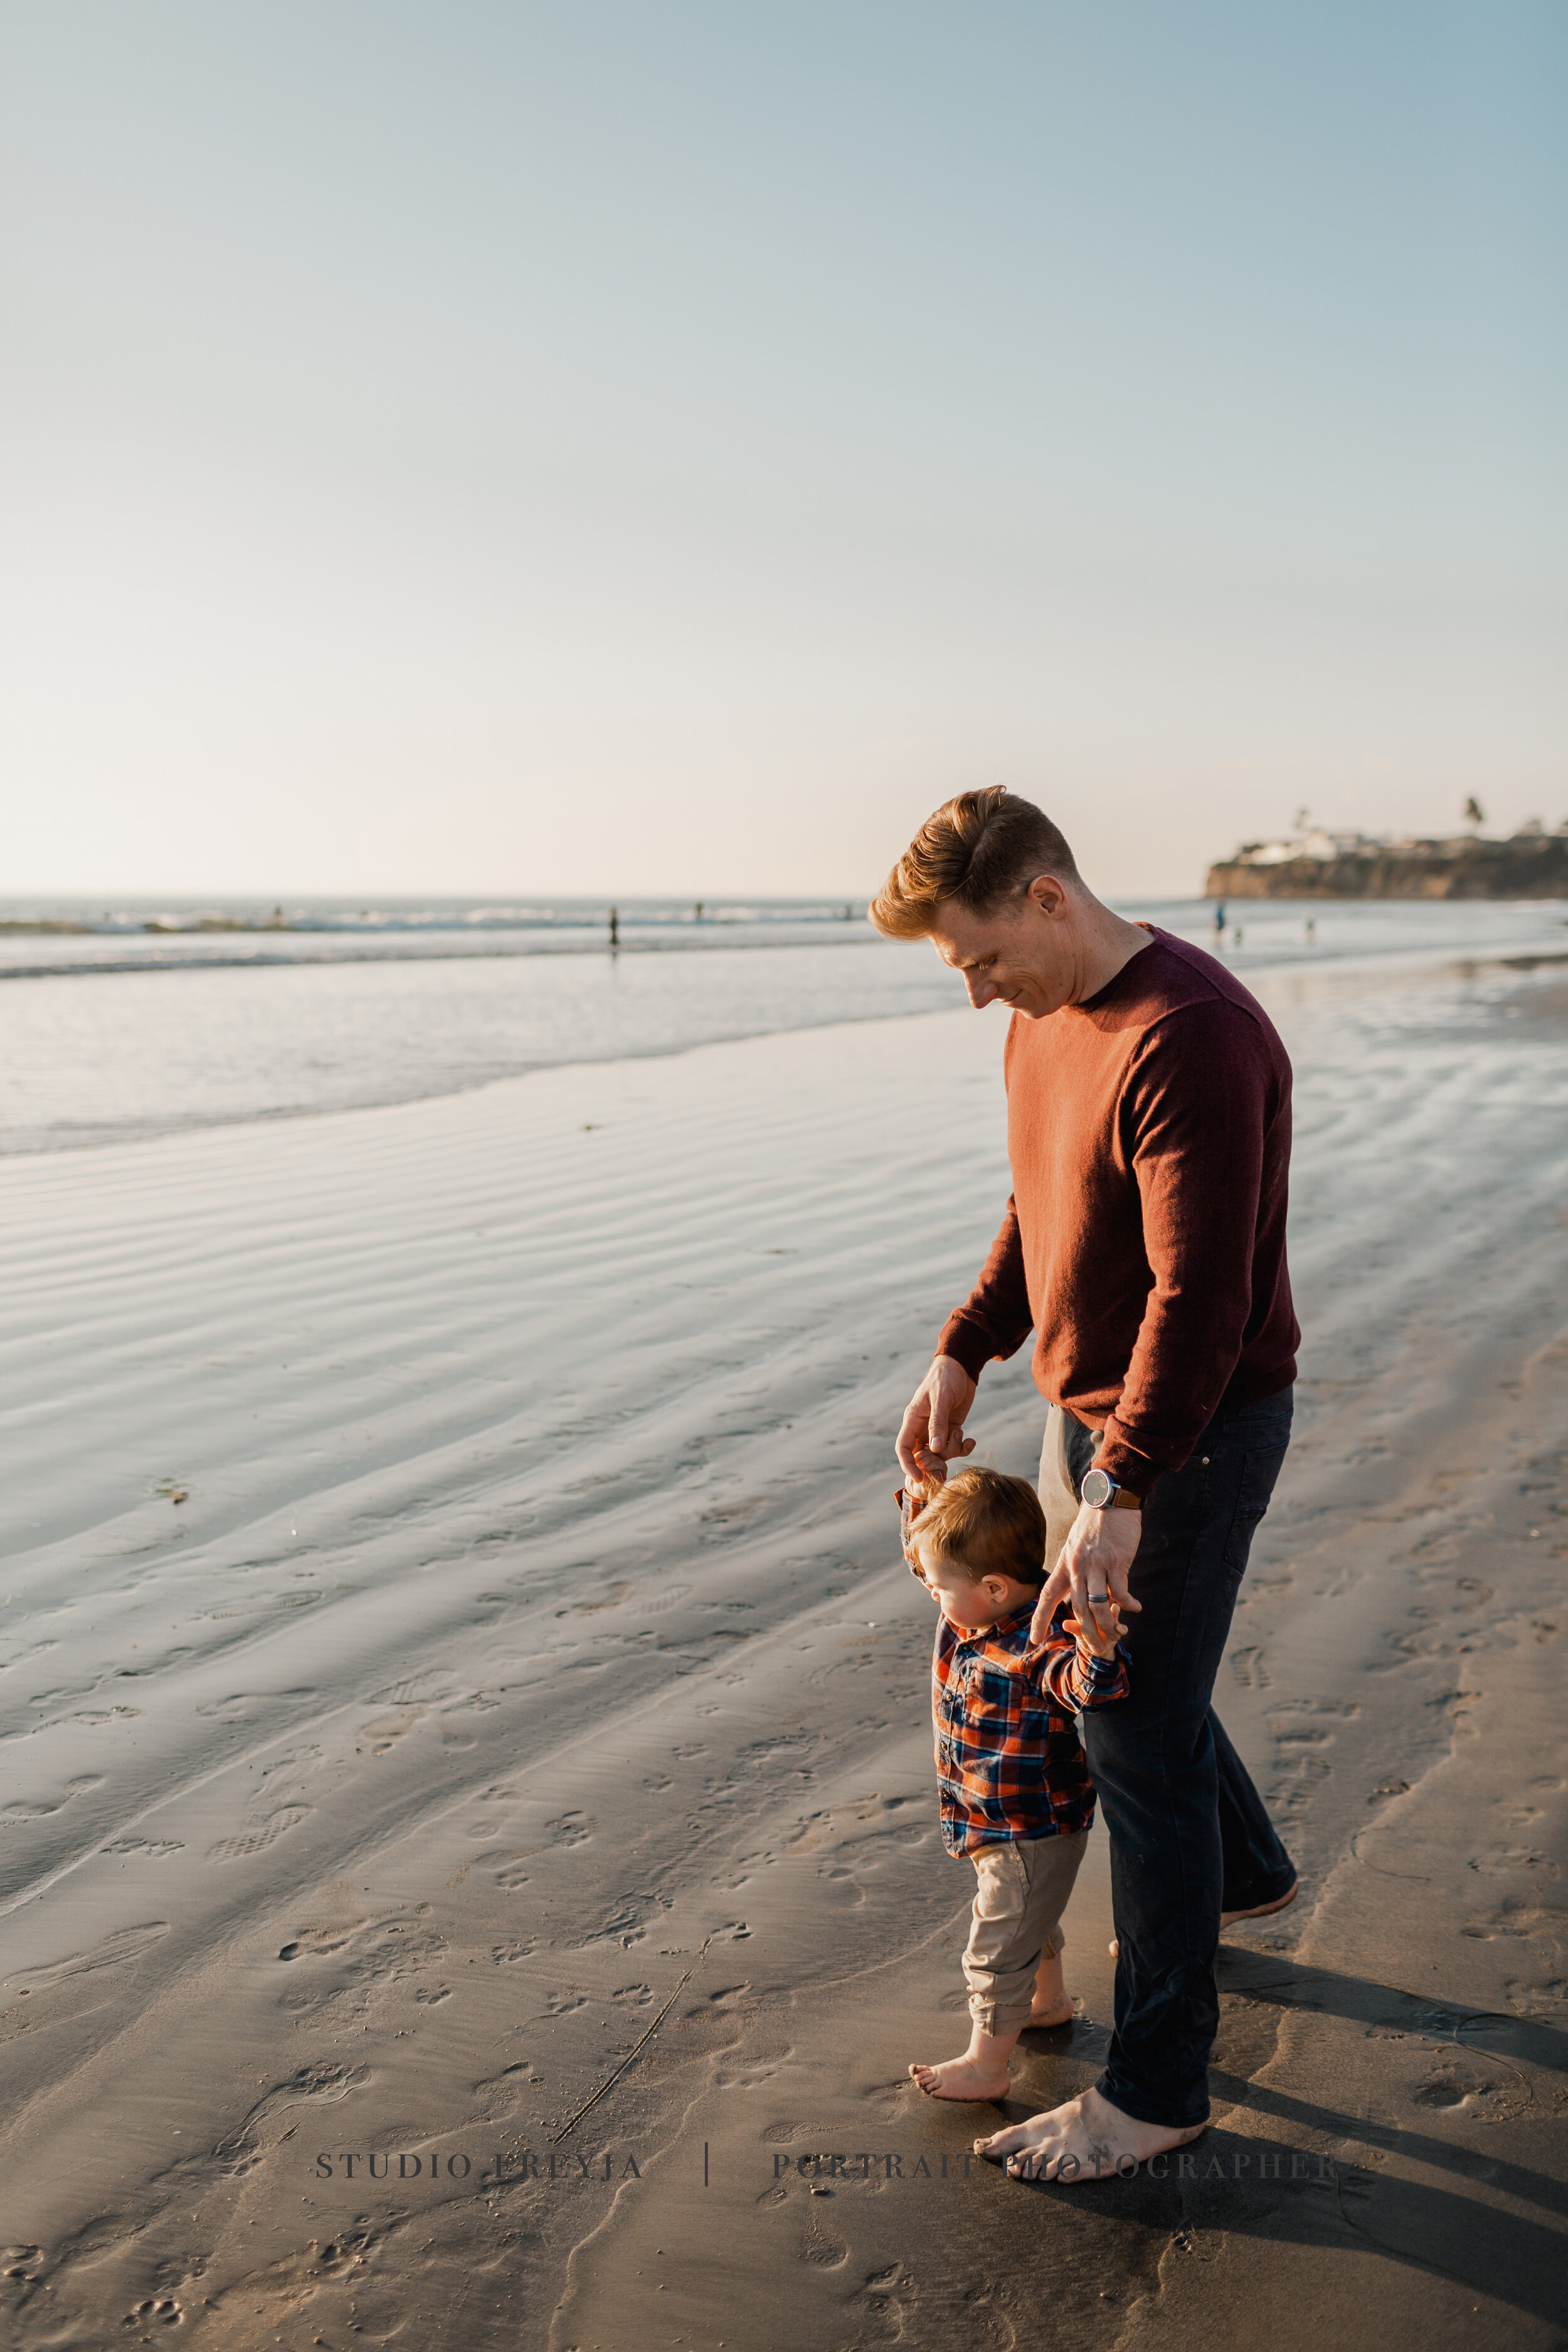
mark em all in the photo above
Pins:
pixel 1084 2139
pixel 1262 1910
pixel 962 2078
pixel 1060 2012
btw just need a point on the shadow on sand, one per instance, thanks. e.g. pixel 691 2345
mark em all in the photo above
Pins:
pixel 1453 2224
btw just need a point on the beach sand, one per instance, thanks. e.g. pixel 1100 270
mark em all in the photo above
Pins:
pixel 454 1637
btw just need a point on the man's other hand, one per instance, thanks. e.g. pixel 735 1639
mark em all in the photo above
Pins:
pixel 933 1433
pixel 1095 1559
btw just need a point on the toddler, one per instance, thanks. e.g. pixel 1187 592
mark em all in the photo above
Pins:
pixel 1014 1788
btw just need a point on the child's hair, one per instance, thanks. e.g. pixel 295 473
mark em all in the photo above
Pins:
pixel 983 1523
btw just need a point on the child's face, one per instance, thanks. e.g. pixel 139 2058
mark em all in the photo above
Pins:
pixel 962 1602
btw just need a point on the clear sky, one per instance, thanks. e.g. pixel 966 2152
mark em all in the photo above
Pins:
pixel 670 444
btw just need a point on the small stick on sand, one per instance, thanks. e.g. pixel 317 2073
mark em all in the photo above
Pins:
pixel 572 2120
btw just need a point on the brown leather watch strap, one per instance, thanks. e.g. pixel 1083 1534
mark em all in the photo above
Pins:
pixel 1122 1499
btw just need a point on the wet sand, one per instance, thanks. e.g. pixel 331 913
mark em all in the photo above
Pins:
pixel 457 1640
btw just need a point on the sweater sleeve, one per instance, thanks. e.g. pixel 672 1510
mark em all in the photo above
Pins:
pixel 1196 1107
pixel 994 1319
pixel 1074 1678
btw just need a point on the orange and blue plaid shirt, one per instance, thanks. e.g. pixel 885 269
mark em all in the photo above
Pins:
pixel 1010 1765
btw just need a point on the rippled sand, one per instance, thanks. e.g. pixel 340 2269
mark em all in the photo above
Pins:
pixel 455 1624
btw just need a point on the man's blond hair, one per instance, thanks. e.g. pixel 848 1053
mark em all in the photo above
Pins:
pixel 977 851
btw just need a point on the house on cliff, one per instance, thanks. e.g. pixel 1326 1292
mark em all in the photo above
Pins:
pixel 1531 863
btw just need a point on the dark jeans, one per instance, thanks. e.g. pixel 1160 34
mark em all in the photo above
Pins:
pixel 1189 1836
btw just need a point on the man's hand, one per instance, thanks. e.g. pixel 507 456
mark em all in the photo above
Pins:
pixel 933 1433
pixel 1098 1632
pixel 1095 1559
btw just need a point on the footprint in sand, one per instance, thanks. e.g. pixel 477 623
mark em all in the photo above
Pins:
pixel 124 1943
pixel 824 2251
pixel 725 1515
pixel 1498 1859
pixel 610 1597
pixel 508 2082
pixel 1525 1920
pixel 37 1809
pixel 387 1729
pixel 325 2083
pixel 1388 1789
pixel 158 2310
pixel 256 1841
pixel 1546 1998
pixel 671 1598
pixel 268 1604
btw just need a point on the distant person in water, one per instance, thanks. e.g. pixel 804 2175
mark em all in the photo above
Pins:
pixel 1219 919
pixel 1013 1785
pixel 1148 1131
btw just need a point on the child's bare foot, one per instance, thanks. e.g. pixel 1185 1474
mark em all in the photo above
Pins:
pixel 1052 2003
pixel 962 2078
pixel 980 2073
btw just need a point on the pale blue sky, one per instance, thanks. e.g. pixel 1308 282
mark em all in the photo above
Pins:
pixel 617 446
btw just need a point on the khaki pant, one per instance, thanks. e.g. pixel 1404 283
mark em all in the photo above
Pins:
pixel 1059 1496
pixel 1020 1894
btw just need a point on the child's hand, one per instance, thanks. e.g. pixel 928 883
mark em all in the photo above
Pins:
pixel 911 1500
pixel 1099 1638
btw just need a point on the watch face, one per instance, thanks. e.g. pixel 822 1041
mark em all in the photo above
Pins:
pixel 1096 1490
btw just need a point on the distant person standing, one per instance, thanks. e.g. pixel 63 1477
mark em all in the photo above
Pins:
pixel 1149 1133
pixel 1220 923
pixel 615 927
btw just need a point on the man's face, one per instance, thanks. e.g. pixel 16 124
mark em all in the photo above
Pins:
pixel 1022 954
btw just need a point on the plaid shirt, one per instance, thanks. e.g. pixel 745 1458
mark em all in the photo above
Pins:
pixel 1010 1764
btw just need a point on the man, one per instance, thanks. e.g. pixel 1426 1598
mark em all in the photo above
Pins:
pixel 1149 1132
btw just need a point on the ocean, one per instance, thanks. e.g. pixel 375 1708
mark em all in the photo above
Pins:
pixel 136 1019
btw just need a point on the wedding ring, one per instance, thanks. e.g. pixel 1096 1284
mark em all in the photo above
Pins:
pixel 1100 1596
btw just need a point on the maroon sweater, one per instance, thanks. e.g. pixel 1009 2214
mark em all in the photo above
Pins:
pixel 1149 1132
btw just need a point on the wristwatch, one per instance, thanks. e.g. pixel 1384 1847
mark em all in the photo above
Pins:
pixel 1101 1493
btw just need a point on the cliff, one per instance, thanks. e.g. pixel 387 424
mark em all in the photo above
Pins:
pixel 1530 866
